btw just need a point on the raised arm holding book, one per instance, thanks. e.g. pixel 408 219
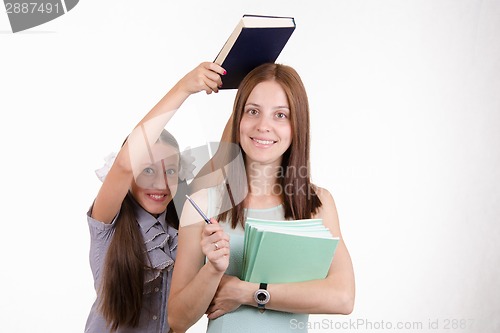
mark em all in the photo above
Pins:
pixel 133 222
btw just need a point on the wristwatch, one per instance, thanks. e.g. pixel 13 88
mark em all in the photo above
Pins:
pixel 262 296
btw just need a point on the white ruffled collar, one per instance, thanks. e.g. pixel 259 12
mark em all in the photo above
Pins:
pixel 160 241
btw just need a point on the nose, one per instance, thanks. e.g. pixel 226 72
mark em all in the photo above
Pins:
pixel 263 125
pixel 160 181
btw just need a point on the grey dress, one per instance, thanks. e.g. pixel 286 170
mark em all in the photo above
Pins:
pixel 161 246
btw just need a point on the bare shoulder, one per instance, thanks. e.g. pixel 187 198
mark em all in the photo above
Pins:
pixel 324 195
pixel 327 201
pixel 328 210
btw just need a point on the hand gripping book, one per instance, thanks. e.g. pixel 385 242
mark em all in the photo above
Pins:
pixel 287 251
pixel 255 40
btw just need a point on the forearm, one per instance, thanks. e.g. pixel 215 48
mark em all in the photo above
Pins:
pixel 167 106
pixel 331 295
pixel 189 304
pixel 317 296
pixel 205 77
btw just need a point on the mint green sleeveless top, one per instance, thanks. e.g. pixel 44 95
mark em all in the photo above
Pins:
pixel 248 319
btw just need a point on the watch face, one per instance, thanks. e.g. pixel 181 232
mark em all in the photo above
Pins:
pixel 262 296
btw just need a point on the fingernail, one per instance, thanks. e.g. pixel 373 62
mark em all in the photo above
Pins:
pixel 224 72
pixel 220 85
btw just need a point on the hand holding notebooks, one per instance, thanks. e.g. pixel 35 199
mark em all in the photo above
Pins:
pixel 287 251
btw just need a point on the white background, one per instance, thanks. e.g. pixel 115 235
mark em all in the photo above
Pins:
pixel 405 109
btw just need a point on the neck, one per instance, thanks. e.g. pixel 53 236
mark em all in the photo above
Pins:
pixel 263 179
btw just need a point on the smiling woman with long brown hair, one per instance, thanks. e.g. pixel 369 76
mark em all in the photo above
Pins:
pixel 270 123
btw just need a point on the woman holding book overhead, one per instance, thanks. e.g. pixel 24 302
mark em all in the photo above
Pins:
pixel 133 221
pixel 270 122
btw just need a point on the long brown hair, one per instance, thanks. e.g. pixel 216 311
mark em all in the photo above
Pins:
pixel 122 283
pixel 300 200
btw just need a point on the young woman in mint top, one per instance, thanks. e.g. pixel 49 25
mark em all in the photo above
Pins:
pixel 270 123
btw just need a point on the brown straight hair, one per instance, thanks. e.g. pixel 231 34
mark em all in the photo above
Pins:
pixel 299 196
pixel 122 283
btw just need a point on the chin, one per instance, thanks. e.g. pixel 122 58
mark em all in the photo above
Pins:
pixel 263 159
pixel 155 208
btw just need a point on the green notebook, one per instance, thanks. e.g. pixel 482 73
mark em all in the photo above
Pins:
pixel 287 251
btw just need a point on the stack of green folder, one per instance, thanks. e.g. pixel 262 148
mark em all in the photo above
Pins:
pixel 287 251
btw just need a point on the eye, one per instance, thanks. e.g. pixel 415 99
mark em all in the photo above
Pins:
pixel 281 115
pixel 171 172
pixel 252 112
pixel 148 171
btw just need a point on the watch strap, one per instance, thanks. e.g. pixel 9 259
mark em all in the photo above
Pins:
pixel 262 290
pixel 264 287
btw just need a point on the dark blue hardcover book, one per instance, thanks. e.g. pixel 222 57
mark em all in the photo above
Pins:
pixel 255 40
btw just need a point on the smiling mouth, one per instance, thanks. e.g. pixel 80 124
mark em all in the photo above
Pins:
pixel 158 197
pixel 263 142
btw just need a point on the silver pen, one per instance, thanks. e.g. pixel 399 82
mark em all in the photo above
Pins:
pixel 207 220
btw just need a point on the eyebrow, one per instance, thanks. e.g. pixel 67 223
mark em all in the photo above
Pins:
pixel 275 107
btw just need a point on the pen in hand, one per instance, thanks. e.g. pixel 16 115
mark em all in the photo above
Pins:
pixel 198 209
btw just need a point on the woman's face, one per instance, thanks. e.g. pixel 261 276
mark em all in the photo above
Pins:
pixel 265 128
pixel 156 185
